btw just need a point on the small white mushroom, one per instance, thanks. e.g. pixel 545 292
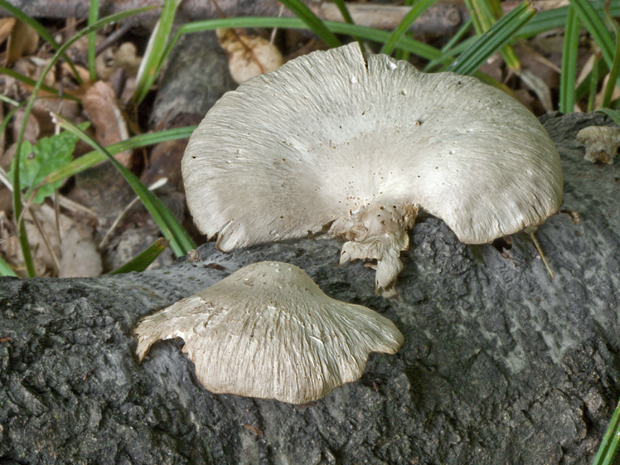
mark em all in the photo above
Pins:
pixel 601 143
pixel 268 331
pixel 355 145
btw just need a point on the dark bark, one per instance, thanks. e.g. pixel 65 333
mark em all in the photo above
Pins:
pixel 500 364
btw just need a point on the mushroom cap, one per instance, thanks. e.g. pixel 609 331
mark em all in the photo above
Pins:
pixel 601 143
pixel 330 133
pixel 268 331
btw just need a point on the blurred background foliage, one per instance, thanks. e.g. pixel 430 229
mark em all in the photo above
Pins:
pixel 552 55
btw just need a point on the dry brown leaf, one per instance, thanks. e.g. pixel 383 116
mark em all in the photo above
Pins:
pixel 23 41
pixel 3 135
pixel 128 91
pixel 33 130
pixel 539 86
pixel 68 109
pixel 124 57
pixel 9 243
pixel 33 67
pixel 101 108
pixel 599 97
pixel 545 5
pixel 7 157
pixel 80 47
pixel 248 56
pixel 494 67
pixel 83 72
pixel 253 429
pixel 6 26
pixel 75 254
pixel 79 255
pixel 526 99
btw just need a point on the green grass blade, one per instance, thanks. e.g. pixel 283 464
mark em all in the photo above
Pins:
pixel 508 53
pixel 556 18
pixel 344 11
pixel 151 63
pixel 487 12
pixel 595 26
pixel 400 53
pixel 180 242
pixel 92 158
pixel 613 449
pixel 569 63
pixel 405 43
pixel 599 69
pixel 8 117
pixel 33 23
pixel 614 72
pixel 10 101
pixel 475 17
pixel 22 235
pixel 450 45
pixel 494 39
pixel 593 80
pixel 307 16
pixel 605 452
pixel 32 82
pixel 142 261
pixel 93 14
pixel 545 21
pixel 613 114
pixel 17 202
pixel 420 7
pixel 5 269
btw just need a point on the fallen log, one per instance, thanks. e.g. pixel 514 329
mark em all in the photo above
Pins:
pixel 500 364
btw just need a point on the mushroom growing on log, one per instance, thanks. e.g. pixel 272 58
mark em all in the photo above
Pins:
pixel 355 145
pixel 601 143
pixel 268 331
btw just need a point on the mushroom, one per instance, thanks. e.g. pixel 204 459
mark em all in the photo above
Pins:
pixel 268 331
pixel 601 143
pixel 355 146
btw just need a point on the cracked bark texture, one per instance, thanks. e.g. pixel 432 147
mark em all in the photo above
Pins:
pixel 500 363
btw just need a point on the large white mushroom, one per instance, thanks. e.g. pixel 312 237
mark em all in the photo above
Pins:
pixel 268 331
pixel 355 145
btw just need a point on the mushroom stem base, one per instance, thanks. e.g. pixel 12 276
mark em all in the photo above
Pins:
pixel 378 233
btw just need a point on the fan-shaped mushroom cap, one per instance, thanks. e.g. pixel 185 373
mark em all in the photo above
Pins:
pixel 332 135
pixel 268 331
pixel 601 143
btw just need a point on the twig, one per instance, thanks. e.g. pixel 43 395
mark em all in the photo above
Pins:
pixel 156 185
pixel 540 252
pixel 116 35
pixel 46 241
pixel 75 207
pixel 275 29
